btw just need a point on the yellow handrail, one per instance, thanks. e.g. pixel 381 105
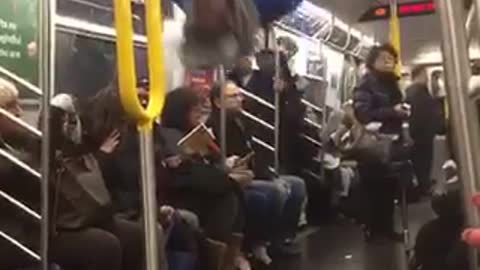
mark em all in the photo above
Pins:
pixel 144 117
pixel 126 62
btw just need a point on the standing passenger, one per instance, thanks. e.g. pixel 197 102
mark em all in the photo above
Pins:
pixel 423 126
pixel 377 98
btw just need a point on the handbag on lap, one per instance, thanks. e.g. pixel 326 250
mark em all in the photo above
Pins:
pixel 81 196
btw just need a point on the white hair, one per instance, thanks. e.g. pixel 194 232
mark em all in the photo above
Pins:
pixel 8 92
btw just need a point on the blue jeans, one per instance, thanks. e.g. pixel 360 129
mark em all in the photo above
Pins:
pixel 295 193
pixel 264 205
pixel 274 208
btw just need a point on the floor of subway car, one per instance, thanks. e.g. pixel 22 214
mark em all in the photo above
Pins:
pixel 340 246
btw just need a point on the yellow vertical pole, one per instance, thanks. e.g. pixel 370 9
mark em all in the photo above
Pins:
pixel 395 35
pixel 145 117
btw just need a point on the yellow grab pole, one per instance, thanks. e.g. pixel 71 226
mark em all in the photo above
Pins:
pixel 145 117
pixel 126 61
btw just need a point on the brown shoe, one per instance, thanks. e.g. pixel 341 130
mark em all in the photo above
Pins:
pixel 215 254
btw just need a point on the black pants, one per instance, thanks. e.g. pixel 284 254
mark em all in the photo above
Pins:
pixel 117 245
pixel 379 189
pixel 422 158
pixel 218 213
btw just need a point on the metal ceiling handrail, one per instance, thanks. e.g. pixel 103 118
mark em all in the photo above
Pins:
pixel 92 29
pixel 25 249
pixel 28 85
pixel 258 120
pixel 92 5
pixel 20 205
pixel 37 133
pixel 323 30
pixel 474 92
pixel 358 49
pixel 311 105
pixel 91 34
pixel 100 7
pixel 294 31
pixel 336 47
pixel 263 144
pixel 312 123
pixel 257 99
pixel 349 39
pixel 314 77
pixel 330 31
pixel 469 21
pixel 19 163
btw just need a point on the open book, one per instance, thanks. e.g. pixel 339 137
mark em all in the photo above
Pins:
pixel 199 141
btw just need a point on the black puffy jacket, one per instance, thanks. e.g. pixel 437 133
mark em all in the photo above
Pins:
pixel 374 100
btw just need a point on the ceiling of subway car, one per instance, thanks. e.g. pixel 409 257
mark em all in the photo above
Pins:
pixel 420 35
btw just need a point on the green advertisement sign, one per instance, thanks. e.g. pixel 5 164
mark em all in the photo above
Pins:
pixel 19 38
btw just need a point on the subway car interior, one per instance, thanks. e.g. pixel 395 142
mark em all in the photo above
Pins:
pixel 239 134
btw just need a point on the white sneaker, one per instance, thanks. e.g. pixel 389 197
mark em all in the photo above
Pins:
pixel 260 253
pixel 241 263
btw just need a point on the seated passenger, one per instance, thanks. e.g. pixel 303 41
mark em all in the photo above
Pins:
pixel 294 153
pixel 17 183
pixel 259 229
pixel 438 238
pixel 285 195
pixel 80 219
pixel 438 244
pixel 197 183
pixel 121 169
pixel 117 244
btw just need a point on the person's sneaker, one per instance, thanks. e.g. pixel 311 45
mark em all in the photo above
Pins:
pixel 303 220
pixel 260 253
